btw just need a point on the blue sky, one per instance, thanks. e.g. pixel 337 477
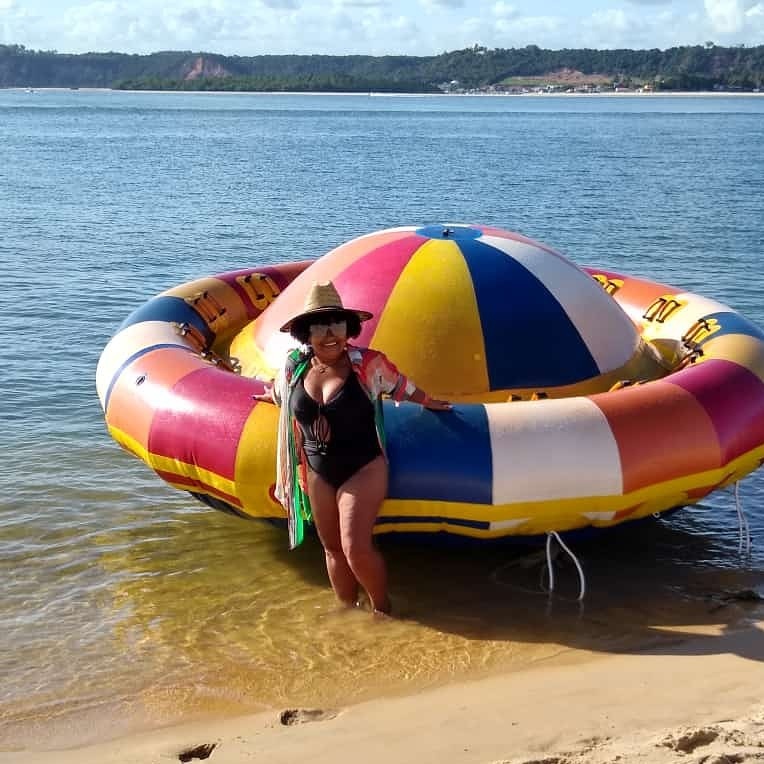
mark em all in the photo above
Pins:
pixel 377 27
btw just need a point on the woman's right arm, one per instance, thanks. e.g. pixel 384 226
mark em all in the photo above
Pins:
pixel 268 395
pixel 271 390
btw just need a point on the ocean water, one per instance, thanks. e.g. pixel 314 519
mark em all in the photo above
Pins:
pixel 128 605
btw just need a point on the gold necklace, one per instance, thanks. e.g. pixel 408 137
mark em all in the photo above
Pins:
pixel 322 368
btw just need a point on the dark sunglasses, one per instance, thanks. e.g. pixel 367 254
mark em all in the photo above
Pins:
pixel 319 329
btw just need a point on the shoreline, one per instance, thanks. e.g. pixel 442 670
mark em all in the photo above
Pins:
pixel 375 94
pixel 698 693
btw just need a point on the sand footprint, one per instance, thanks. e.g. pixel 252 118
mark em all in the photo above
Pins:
pixel 688 740
pixel 292 716
pixel 198 752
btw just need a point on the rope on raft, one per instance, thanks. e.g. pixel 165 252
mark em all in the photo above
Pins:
pixel 743 527
pixel 745 544
pixel 550 568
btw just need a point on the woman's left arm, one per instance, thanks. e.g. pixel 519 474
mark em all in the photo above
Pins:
pixel 435 404
pixel 400 387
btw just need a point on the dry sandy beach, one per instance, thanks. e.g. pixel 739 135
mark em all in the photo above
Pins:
pixel 698 699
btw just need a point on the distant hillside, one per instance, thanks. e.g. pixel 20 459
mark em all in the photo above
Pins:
pixel 687 68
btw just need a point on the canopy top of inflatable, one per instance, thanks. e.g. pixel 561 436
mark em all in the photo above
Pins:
pixel 466 309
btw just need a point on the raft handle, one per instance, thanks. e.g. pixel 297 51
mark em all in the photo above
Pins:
pixel 700 331
pixel 621 383
pixel 662 308
pixel 195 338
pixel 229 364
pixel 260 288
pixel 690 358
pixel 207 306
pixel 611 286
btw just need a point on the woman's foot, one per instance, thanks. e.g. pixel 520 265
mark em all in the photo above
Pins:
pixel 384 610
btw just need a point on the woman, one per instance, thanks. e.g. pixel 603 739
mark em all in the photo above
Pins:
pixel 331 462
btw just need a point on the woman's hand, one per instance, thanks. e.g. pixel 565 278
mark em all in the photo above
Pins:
pixel 436 405
pixel 266 396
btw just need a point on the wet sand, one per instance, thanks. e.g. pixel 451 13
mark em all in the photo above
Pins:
pixel 694 699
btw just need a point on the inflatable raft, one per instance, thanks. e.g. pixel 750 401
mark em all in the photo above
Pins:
pixel 583 397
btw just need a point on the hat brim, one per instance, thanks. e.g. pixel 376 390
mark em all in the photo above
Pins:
pixel 363 315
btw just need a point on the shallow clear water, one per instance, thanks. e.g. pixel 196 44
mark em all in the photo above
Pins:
pixel 126 604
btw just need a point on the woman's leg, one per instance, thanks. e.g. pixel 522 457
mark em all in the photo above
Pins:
pixel 323 500
pixel 359 499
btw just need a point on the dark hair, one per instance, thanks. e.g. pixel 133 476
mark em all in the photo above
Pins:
pixel 300 328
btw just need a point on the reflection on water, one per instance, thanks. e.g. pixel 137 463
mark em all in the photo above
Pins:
pixel 190 613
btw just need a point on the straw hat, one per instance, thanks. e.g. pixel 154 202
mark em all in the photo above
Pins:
pixel 324 298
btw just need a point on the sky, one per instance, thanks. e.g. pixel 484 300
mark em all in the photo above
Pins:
pixel 374 27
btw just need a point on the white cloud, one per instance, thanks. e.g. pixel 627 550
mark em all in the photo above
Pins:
pixel 518 31
pixel 351 4
pixel 438 6
pixel 726 16
pixel 732 19
pixel 115 25
pixel 449 4
pixel 502 10
pixel 279 4
pixel 616 20
pixel 611 28
pixel 376 27
pixel 17 24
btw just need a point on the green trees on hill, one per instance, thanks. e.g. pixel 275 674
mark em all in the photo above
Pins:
pixel 308 83
pixel 688 68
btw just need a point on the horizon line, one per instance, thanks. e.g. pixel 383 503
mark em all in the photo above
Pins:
pixel 477 48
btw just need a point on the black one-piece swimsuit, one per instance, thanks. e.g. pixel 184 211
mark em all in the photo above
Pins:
pixel 340 436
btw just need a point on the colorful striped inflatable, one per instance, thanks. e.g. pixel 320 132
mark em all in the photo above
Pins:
pixel 584 397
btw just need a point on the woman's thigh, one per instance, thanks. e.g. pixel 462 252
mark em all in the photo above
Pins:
pixel 359 499
pixel 323 503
